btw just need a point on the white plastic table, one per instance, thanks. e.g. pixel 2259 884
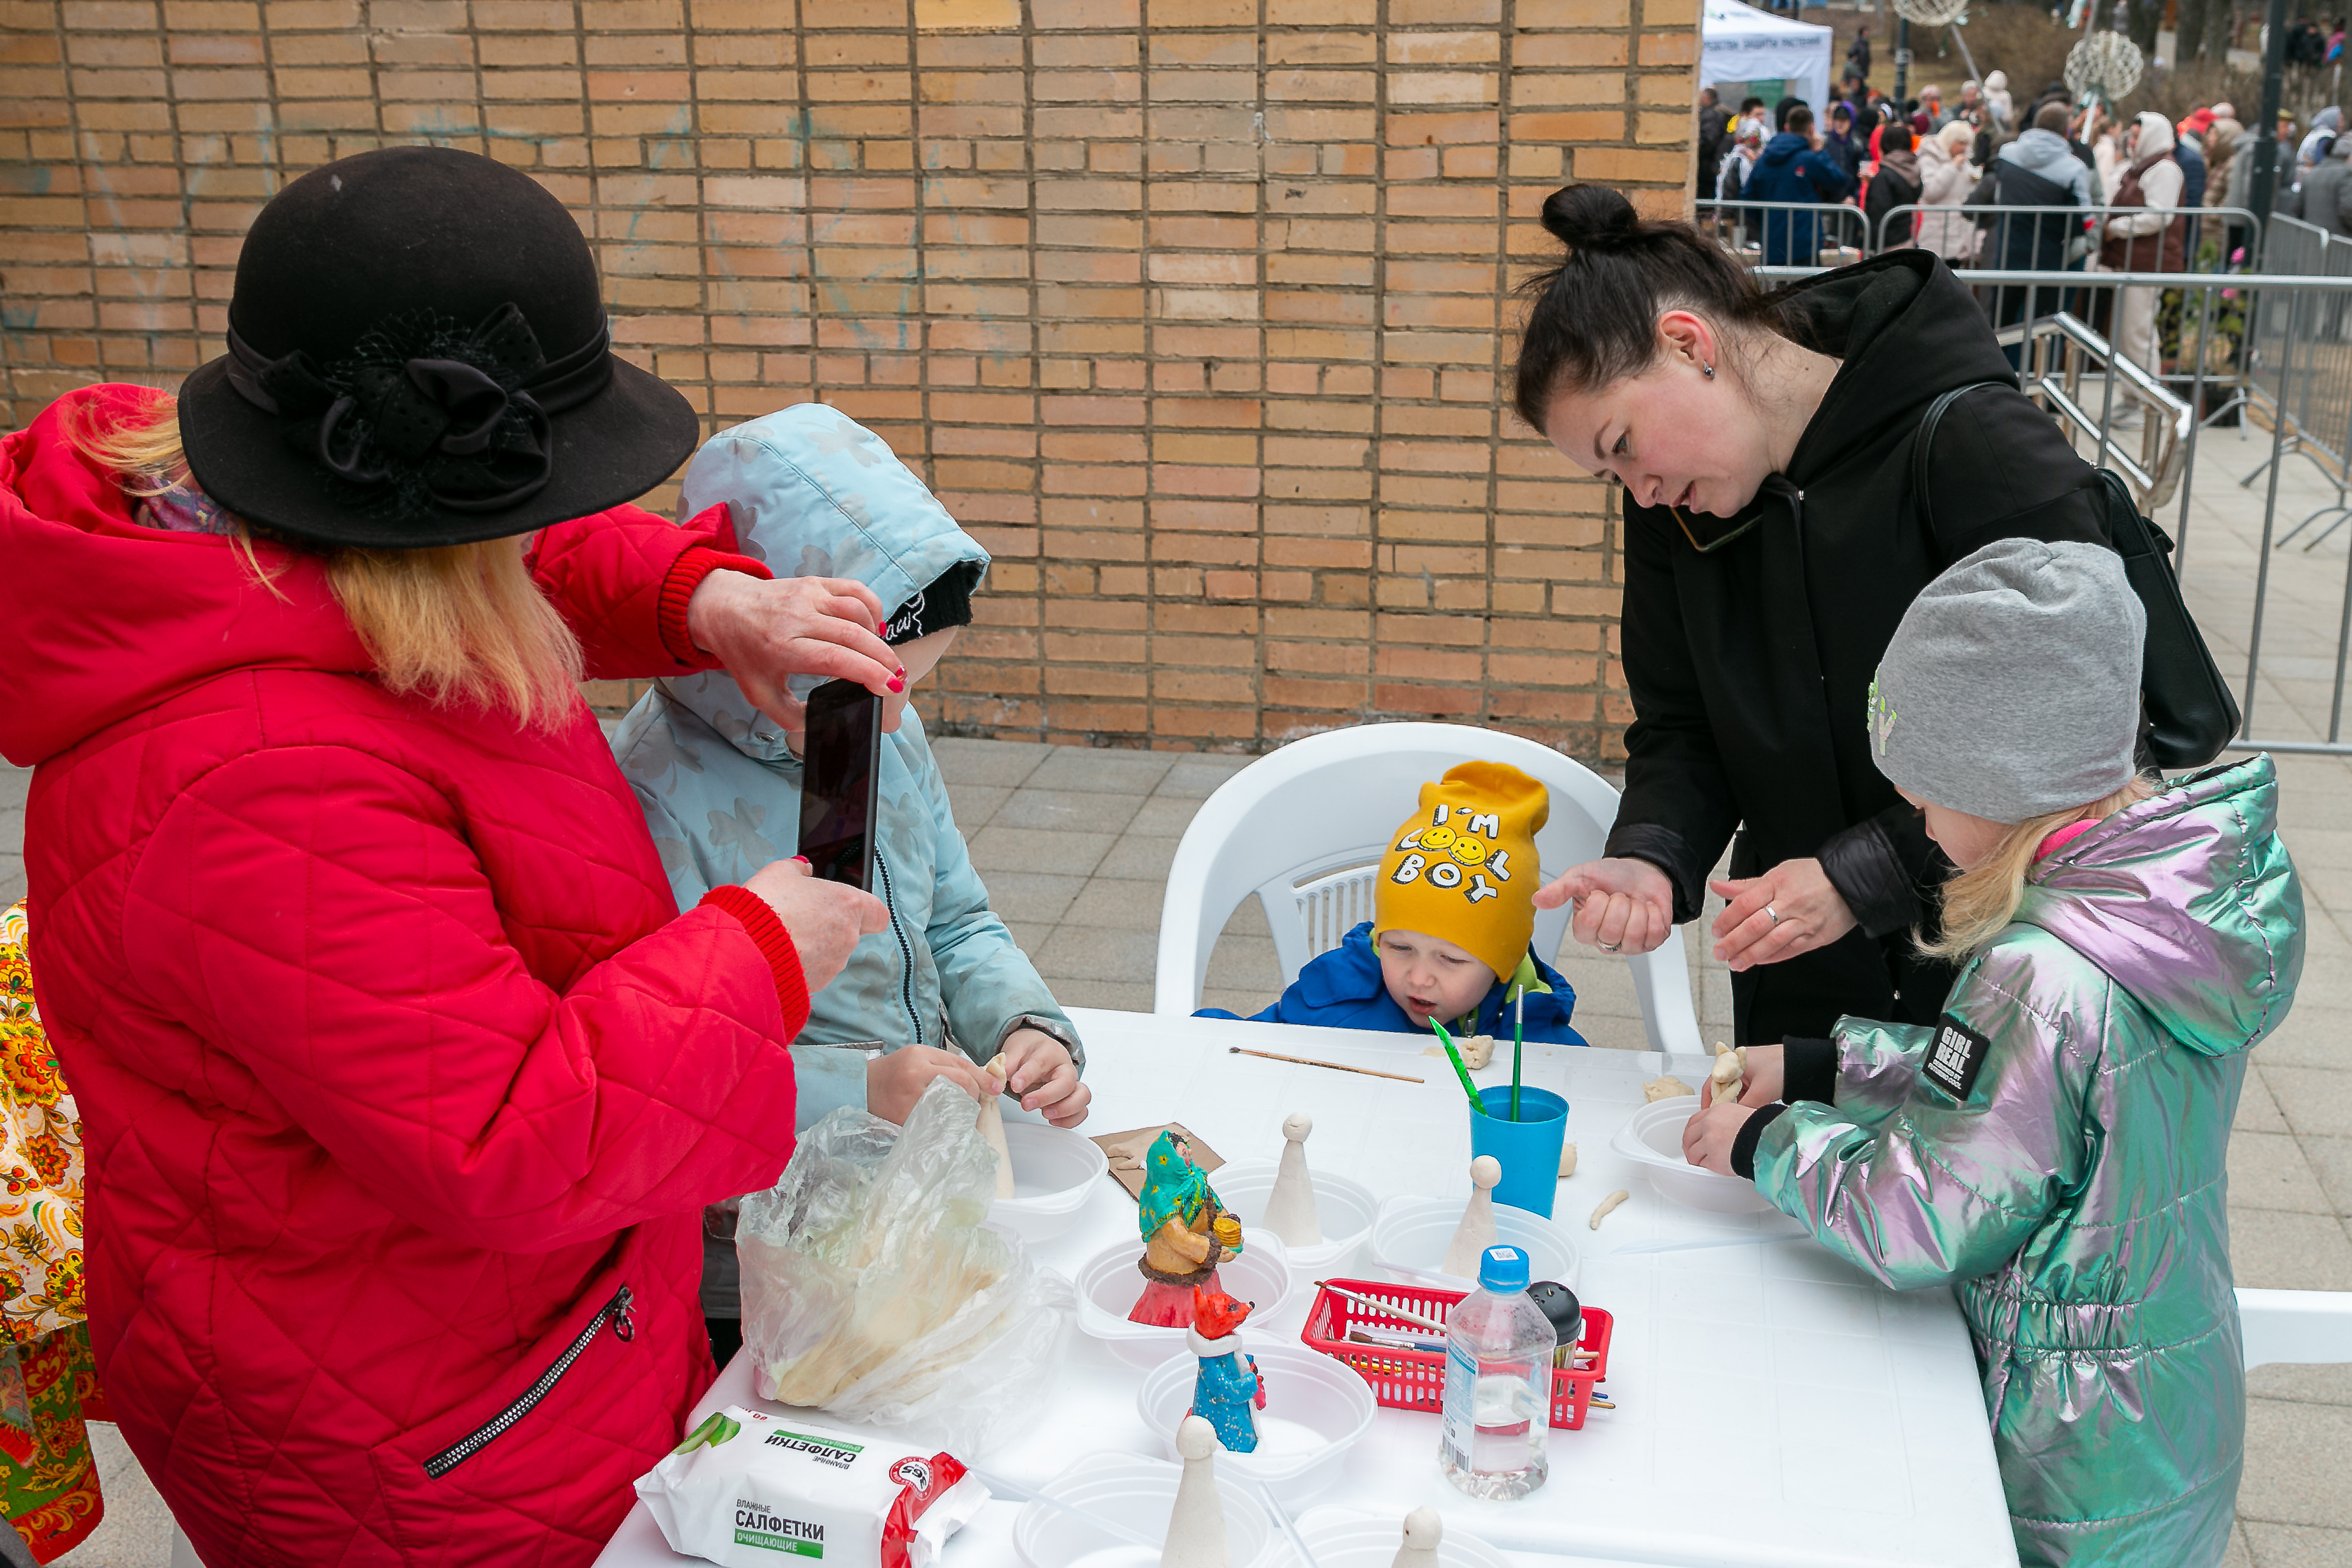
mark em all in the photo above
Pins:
pixel 1774 1406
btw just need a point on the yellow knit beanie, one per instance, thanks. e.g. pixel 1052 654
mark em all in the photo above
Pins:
pixel 1462 869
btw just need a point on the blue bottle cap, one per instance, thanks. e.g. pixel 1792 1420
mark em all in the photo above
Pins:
pixel 1503 1269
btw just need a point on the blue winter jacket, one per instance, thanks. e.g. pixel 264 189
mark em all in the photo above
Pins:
pixel 811 493
pixel 1788 170
pixel 1343 989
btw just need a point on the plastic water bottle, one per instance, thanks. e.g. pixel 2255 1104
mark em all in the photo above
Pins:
pixel 1498 1354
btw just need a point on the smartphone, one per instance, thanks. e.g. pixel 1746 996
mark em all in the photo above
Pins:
pixel 840 757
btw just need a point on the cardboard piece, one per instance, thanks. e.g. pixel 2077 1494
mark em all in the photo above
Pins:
pixel 1126 1151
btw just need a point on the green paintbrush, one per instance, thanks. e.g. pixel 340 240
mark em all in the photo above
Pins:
pixel 1477 1106
pixel 1519 1032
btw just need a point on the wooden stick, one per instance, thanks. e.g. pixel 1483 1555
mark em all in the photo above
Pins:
pixel 1334 1066
pixel 1402 1313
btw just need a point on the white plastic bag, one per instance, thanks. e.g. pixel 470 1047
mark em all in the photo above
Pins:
pixel 874 1290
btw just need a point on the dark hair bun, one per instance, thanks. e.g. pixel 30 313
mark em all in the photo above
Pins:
pixel 1592 217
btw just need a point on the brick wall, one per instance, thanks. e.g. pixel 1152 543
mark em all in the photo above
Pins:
pixel 1196 311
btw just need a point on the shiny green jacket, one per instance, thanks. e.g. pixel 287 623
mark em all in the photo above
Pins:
pixel 2056 1148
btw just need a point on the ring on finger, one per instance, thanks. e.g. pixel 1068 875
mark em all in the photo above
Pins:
pixel 1773 914
pixel 1610 947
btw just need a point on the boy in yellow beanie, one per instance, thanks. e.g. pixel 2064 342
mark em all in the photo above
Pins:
pixel 1454 912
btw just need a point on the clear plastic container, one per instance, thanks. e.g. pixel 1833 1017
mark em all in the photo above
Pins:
pixel 1498 1350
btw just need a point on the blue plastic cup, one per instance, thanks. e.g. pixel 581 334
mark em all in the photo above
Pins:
pixel 1527 1149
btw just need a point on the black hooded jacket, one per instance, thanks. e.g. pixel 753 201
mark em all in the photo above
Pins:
pixel 1750 665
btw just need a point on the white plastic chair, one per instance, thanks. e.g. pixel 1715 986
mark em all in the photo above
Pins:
pixel 1304 827
pixel 2299 1327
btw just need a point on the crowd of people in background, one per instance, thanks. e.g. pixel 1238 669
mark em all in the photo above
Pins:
pixel 2118 193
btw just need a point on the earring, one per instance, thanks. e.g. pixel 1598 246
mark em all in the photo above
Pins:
pixel 1710 371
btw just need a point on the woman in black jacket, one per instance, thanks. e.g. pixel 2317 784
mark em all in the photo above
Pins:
pixel 1770 547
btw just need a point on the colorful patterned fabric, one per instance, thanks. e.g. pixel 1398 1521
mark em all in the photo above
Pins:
pixel 48 1481
pixel 40 1161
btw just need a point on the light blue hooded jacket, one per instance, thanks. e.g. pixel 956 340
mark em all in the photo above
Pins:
pixel 814 494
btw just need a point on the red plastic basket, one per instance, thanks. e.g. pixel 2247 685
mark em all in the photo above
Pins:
pixel 1415 1379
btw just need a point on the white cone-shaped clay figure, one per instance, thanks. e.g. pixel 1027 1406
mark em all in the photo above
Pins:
pixel 1290 1211
pixel 1477 1232
pixel 992 1127
pixel 1422 1530
pixel 1196 1526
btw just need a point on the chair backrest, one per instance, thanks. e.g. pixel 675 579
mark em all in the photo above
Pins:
pixel 2299 1327
pixel 1303 828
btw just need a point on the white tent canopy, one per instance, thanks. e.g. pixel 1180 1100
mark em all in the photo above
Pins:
pixel 1739 43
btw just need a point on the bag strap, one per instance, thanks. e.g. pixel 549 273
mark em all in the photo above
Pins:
pixel 1921 443
pixel 2133 534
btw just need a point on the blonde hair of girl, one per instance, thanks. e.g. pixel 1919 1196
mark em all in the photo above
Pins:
pixel 1980 901
pixel 458 625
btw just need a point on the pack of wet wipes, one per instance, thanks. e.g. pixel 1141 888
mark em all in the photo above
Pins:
pixel 749 1490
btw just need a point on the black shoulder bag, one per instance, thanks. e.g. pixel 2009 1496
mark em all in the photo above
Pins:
pixel 2190 712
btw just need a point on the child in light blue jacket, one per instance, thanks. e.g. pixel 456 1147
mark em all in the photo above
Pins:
pixel 812 493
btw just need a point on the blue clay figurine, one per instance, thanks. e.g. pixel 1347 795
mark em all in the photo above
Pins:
pixel 1228 1388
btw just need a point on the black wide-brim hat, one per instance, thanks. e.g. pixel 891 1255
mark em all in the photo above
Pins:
pixel 419 355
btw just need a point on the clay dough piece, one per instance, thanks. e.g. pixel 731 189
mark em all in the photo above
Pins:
pixel 1666 1088
pixel 1608 1206
pixel 1290 1207
pixel 1567 1161
pixel 1477 1231
pixel 1477 1050
pixel 1422 1530
pixel 1196 1525
pixel 1729 1073
pixel 992 1127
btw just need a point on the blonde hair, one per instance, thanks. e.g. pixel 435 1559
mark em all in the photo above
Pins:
pixel 456 625
pixel 1980 901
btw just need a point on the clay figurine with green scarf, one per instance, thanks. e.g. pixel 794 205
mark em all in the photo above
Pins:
pixel 1186 1234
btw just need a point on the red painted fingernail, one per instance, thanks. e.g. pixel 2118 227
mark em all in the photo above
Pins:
pixel 803 858
pixel 898 682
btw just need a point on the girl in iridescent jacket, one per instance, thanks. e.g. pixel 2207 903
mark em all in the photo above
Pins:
pixel 2056 1144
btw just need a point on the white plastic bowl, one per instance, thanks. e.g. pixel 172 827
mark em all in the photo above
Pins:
pixel 1054 1173
pixel 1109 1284
pixel 1372 1543
pixel 1652 1138
pixel 1411 1234
pixel 1315 1410
pixel 1345 1208
pixel 1134 1491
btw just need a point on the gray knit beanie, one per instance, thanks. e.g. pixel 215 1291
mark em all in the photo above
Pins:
pixel 2012 688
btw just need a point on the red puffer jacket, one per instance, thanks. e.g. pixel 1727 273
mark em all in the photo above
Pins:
pixel 404 1080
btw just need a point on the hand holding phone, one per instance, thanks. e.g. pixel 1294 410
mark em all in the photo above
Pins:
pixel 825 919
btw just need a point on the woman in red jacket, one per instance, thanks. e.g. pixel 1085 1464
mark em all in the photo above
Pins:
pixel 405 1083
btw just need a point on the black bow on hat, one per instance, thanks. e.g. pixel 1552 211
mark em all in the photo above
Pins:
pixel 388 382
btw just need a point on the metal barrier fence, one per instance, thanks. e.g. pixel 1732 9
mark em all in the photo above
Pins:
pixel 2273 345
pixel 2318 417
pixel 1788 233
pixel 2054 238
pixel 2047 239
